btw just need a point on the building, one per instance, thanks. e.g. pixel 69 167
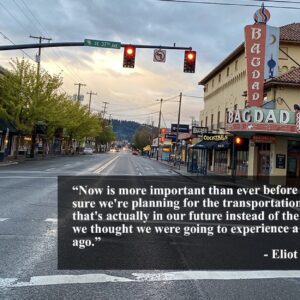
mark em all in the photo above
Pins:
pixel 272 149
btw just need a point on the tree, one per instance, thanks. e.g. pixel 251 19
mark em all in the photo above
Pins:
pixel 28 98
pixel 107 135
pixel 141 137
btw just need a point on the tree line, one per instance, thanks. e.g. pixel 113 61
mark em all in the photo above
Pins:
pixel 29 98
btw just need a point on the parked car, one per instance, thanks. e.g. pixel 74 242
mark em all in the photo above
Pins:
pixel 134 152
pixel 87 150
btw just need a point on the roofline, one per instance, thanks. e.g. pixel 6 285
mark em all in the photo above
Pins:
pixel 272 83
pixel 231 57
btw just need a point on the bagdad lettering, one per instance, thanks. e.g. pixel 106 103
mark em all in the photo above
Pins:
pixel 259 116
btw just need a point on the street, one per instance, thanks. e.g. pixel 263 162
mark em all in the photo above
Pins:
pixel 28 244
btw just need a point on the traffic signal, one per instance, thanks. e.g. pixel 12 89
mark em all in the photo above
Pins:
pixel 238 141
pixel 189 61
pixel 129 57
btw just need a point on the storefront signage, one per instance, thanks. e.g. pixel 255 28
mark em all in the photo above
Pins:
pixel 298 121
pixel 280 161
pixel 171 137
pixel 196 130
pixel 214 137
pixel 258 115
pixel 182 128
pixel 269 121
pixel 266 139
pixel 256 45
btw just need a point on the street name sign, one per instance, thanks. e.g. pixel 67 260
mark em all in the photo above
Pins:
pixel 102 44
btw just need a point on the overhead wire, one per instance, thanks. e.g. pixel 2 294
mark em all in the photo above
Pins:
pixel 228 4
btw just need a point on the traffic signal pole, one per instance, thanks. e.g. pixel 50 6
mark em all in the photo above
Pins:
pixel 80 44
pixel 159 120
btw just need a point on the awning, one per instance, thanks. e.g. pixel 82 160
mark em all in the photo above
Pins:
pixel 223 145
pixel 205 145
pixel 4 125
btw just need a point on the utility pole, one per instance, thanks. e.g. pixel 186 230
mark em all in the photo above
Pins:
pixel 159 120
pixel 104 109
pixel 79 87
pixel 38 57
pixel 178 121
pixel 91 94
pixel 38 60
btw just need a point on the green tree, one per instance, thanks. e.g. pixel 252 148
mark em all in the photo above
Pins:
pixel 27 98
pixel 141 137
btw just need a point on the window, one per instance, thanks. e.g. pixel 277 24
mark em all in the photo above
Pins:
pixel 282 53
pixel 201 123
pixel 218 119
pixel 235 107
pixel 212 121
pixel 236 65
pixel 206 121
pixel 226 113
pixel 206 88
pixel 212 83
pixel 220 77
pixel 227 71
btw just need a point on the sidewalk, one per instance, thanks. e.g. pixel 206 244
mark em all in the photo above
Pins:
pixel 21 158
pixel 210 177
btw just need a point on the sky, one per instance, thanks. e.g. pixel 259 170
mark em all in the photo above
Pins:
pixel 212 30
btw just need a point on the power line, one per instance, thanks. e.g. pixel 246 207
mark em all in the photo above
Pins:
pixel 279 1
pixel 56 52
pixel 228 4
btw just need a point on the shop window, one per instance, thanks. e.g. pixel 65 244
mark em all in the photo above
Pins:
pixel 220 161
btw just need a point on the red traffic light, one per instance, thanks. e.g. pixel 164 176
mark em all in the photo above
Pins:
pixel 129 57
pixel 190 56
pixel 189 62
pixel 238 140
pixel 129 50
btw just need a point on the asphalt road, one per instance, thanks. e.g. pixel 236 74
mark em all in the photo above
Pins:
pixel 28 244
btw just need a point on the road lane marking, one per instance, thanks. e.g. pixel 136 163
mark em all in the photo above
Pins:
pixel 3 219
pixel 147 277
pixel 26 177
pixel 99 170
pixel 50 169
pixel 51 220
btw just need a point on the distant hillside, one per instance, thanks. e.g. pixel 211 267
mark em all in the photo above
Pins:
pixel 125 129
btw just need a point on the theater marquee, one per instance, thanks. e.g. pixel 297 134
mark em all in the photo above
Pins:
pixel 263 120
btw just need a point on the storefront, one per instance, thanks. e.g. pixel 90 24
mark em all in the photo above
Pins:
pixel 274 143
pixel 212 154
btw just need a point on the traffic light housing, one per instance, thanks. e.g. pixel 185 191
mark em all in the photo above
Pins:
pixel 189 61
pixel 129 57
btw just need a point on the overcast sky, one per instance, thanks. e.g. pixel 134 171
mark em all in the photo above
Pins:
pixel 213 31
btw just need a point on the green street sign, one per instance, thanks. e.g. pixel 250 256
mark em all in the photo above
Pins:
pixel 102 44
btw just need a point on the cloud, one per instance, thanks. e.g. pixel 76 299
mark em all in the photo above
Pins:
pixel 213 31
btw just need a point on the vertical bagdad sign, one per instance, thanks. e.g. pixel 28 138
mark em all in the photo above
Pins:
pixel 255 50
